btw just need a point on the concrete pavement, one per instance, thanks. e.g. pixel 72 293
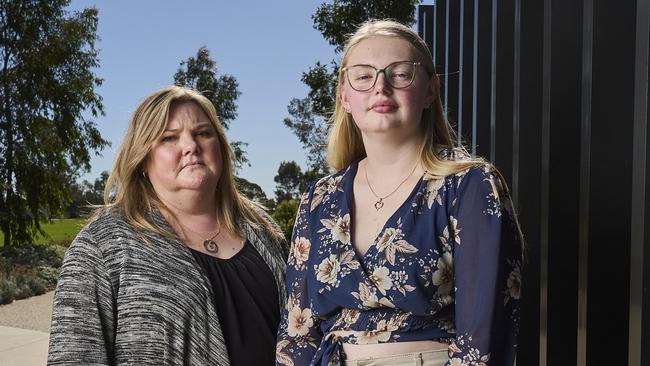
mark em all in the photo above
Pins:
pixel 22 347
pixel 24 327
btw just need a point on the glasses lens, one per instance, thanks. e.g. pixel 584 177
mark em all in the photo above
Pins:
pixel 361 77
pixel 401 74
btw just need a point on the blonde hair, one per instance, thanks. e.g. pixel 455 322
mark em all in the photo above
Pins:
pixel 345 142
pixel 129 190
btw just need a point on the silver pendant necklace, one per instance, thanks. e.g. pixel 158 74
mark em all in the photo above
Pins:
pixel 380 200
pixel 209 244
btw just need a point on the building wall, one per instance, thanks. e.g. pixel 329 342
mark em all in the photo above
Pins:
pixel 555 93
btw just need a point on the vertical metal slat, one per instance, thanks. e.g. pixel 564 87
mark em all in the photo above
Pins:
pixel 639 148
pixel 585 172
pixel 516 103
pixel 493 86
pixel 461 62
pixel 475 77
pixel 544 225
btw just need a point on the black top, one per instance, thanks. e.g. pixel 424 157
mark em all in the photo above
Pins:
pixel 246 298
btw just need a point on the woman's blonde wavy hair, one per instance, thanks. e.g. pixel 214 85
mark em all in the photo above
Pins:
pixel 129 190
pixel 345 143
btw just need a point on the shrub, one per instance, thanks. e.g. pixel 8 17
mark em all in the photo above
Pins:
pixel 28 270
pixel 50 275
pixel 34 254
pixel 7 291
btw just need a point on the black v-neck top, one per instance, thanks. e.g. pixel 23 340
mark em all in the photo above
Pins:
pixel 246 298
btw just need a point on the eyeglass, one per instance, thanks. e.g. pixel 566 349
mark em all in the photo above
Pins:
pixel 399 75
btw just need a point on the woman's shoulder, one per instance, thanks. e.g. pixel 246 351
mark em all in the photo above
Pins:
pixel 481 171
pixel 95 241
pixel 323 189
pixel 332 180
pixel 482 184
pixel 105 220
pixel 103 229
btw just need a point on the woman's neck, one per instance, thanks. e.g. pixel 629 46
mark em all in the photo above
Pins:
pixel 394 158
pixel 191 207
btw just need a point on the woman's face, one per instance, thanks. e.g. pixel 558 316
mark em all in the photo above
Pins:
pixel 384 108
pixel 187 155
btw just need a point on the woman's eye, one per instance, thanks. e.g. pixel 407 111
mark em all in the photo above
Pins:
pixel 202 133
pixel 401 75
pixel 168 138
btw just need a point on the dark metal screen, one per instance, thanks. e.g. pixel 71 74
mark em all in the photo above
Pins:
pixel 555 93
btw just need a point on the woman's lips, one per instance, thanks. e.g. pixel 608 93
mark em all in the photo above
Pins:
pixel 192 164
pixel 383 107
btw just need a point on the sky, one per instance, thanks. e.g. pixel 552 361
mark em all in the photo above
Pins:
pixel 265 45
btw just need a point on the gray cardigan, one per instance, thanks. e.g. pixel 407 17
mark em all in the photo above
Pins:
pixel 121 300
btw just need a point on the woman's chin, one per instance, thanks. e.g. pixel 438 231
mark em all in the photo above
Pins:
pixel 199 182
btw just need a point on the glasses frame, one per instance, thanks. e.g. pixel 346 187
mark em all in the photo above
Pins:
pixel 378 71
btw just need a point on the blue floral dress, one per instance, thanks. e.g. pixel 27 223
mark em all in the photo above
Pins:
pixel 446 266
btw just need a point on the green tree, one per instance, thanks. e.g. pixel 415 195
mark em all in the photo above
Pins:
pixel 309 115
pixel 85 194
pixel 340 18
pixel 253 192
pixel 98 187
pixel 201 73
pixel 48 100
pixel 288 181
pixel 285 216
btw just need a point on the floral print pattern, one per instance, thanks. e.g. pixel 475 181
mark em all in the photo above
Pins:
pixel 454 243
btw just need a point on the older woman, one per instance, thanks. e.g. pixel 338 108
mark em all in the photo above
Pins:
pixel 410 253
pixel 178 268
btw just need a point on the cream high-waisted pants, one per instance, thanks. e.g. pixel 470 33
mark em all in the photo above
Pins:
pixel 428 358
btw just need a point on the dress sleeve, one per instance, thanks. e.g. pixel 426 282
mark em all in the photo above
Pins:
pixel 487 262
pixel 82 331
pixel 299 334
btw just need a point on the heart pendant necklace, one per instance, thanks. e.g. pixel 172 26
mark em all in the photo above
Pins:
pixel 380 200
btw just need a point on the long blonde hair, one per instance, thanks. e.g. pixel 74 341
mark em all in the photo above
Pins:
pixel 345 142
pixel 129 190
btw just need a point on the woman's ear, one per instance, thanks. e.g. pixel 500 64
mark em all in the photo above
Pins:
pixel 345 101
pixel 433 90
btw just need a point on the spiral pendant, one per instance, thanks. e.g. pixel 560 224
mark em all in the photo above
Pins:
pixel 211 246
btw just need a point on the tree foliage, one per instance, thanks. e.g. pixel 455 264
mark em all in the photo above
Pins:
pixel 47 98
pixel 291 182
pixel 84 195
pixel 201 73
pixel 340 18
pixel 285 215
pixel 253 192
pixel 309 115
pixel 288 181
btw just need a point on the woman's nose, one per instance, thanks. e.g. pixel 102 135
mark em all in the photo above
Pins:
pixel 381 84
pixel 189 143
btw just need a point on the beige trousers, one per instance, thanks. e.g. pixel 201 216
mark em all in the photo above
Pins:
pixel 428 358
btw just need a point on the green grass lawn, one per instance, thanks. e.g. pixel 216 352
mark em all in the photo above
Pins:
pixel 59 229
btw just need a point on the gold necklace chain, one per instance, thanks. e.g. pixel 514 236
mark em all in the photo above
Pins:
pixel 209 243
pixel 380 200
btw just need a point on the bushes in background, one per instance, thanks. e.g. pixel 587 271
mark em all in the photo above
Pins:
pixel 29 270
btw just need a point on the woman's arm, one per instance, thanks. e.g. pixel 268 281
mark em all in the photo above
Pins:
pixel 83 321
pixel 299 334
pixel 487 262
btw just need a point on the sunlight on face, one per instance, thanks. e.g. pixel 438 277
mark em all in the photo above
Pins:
pixel 384 108
pixel 187 155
